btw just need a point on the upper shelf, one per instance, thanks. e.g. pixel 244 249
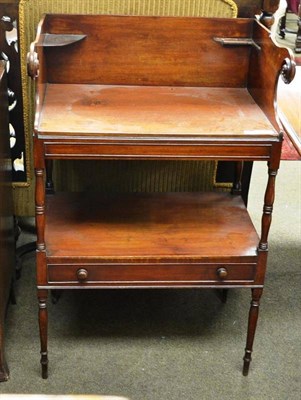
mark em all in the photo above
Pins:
pixel 149 111
pixel 118 80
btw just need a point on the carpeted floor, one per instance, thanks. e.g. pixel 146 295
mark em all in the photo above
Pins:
pixel 170 345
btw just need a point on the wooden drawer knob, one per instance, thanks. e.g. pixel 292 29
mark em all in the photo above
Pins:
pixel 82 274
pixel 222 273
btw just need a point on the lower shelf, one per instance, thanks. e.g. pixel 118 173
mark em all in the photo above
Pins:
pixel 158 239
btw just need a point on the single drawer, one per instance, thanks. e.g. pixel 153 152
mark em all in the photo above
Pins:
pixel 149 274
pixel 76 150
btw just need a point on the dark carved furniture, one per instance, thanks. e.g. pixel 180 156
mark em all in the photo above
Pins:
pixel 7 243
pixel 164 88
pixel 10 52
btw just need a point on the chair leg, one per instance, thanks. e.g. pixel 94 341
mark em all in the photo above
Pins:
pixel 282 26
pixel 298 39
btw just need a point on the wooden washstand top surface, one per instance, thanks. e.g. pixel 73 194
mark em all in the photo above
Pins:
pixel 148 110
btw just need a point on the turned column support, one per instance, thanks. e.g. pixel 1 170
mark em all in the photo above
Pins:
pixel 40 208
pixel 266 224
pixel 267 210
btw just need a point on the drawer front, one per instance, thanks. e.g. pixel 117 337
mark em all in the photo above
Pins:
pixel 163 151
pixel 150 274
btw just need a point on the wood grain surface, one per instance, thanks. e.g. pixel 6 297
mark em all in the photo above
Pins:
pixel 147 226
pixel 148 110
pixel 148 51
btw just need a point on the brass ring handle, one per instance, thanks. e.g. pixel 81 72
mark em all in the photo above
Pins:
pixel 222 273
pixel 82 274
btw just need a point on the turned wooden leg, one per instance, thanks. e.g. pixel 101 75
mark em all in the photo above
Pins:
pixel 49 186
pixel 222 294
pixel 56 295
pixel 43 324
pixel 253 316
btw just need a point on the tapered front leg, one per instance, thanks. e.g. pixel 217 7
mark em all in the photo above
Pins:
pixel 253 317
pixel 41 254
pixel 43 324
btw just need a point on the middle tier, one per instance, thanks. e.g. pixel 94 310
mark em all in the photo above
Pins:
pixel 149 226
